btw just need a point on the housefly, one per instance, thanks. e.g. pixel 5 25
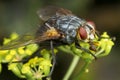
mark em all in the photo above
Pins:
pixel 60 26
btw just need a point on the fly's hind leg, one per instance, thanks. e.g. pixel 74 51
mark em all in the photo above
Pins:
pixel 53 58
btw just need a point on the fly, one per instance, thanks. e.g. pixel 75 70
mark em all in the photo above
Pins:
pixel 60 26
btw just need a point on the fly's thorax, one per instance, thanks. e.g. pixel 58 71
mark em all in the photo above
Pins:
pixel 68 26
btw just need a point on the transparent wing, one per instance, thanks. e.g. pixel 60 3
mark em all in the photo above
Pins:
pixel 19 42
pixel 46 12
pixel 30 39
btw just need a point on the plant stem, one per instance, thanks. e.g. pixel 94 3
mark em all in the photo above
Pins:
pixel 77 77
pixel 72 67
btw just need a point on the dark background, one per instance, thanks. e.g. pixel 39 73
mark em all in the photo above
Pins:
pixel 20 16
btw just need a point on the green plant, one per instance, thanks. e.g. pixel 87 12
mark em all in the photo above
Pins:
pixel 38 67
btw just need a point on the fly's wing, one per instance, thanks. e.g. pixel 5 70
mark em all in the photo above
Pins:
pixel 51 33
pixel 46 12
pixel 19 42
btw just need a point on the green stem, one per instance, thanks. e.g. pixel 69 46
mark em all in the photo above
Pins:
pixel 77 77
pixel 72 67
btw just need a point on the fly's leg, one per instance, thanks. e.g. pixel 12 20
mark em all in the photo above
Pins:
pixel 53 58
pixel 86 50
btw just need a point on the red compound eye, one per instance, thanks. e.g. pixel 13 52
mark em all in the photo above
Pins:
pixel 82 33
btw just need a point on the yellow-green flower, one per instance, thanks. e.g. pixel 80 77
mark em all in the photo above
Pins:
pixel 14 67
pixel 38 75
pixel 105 45
pixel 21 50
pixel 26 69
pixel 6 40
pixel 39 67
pixel 13 36
pixel 3 53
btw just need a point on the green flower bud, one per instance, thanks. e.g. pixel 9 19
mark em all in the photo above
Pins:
pixel 14 67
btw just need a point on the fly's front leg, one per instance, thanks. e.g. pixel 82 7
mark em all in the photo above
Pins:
pixel 86 50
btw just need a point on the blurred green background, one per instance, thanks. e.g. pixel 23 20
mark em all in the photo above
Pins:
pixel 20 16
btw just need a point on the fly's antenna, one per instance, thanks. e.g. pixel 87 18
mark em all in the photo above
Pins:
pixel 97 33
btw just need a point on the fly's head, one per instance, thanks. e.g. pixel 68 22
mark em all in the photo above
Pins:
pixel 87 33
